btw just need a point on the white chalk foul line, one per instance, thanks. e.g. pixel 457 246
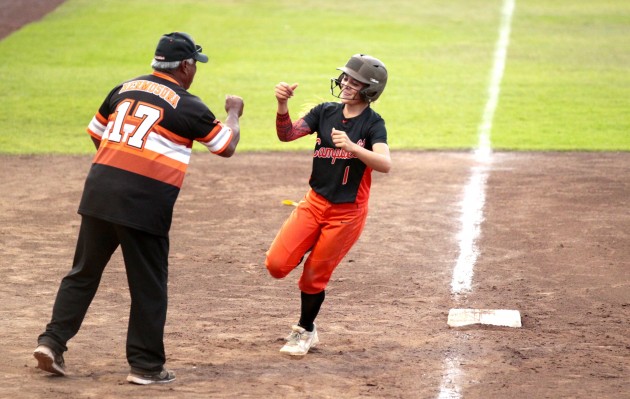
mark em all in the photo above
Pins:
pixel 475 195
pixel 474 192
pixel 471 219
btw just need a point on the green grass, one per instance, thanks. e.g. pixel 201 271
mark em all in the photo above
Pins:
pixel 565 86
pixel 567 81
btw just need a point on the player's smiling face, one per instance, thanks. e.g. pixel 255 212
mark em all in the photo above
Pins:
pixel 350 88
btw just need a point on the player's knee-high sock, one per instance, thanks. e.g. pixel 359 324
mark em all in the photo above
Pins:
pixel 311 303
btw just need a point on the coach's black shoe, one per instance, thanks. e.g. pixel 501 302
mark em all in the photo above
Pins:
pixel 50 361
pixel 145 378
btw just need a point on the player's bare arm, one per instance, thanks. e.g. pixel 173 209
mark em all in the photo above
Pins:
pixel 378 159
pixel 234 107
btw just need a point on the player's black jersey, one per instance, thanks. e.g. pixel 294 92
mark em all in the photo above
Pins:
pixel 338 175
pixel 147 127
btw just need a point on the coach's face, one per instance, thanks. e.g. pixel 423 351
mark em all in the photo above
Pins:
pixel 188 72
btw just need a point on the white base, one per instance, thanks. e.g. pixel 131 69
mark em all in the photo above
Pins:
pixel 495 317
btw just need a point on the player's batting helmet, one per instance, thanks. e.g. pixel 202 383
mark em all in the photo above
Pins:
pixel 367 70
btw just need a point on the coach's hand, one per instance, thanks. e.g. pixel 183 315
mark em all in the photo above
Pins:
pixel 234 104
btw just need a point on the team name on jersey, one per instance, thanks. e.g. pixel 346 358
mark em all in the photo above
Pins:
pixel 335 153
pixel 164 92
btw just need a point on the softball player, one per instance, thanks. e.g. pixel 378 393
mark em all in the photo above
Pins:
pixel 143 132
pixel 351 142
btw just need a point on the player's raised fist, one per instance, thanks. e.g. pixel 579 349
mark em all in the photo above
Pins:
pixel 284 91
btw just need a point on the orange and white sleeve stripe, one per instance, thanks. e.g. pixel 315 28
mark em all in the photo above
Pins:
pixel 218 139
pixel 97 126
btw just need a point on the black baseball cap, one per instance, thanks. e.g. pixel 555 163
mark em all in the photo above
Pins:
pixel 178 46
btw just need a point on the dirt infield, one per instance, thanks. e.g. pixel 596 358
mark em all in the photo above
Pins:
pixel 16 13
pixel 554 245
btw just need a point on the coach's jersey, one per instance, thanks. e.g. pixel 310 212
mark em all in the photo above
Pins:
pixel 147 127
pixel 338 175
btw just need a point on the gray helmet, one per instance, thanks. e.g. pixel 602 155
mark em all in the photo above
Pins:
pixel 367 70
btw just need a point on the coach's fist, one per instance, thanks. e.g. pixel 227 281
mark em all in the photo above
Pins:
pixel 234 104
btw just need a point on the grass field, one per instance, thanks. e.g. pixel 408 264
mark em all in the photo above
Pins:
pixel 565 86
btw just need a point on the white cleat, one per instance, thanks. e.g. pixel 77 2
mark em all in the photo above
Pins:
pixel 300 341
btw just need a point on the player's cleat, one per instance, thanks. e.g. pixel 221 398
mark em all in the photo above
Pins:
pixel 50 361
pixel 145 378
pixel 300 341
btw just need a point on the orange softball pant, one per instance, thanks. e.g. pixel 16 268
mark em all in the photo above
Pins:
pixel 328 230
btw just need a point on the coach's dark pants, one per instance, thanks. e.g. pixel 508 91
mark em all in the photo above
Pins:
pixel 146 262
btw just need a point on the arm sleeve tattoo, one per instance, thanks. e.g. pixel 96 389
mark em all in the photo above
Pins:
pixel 288 131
